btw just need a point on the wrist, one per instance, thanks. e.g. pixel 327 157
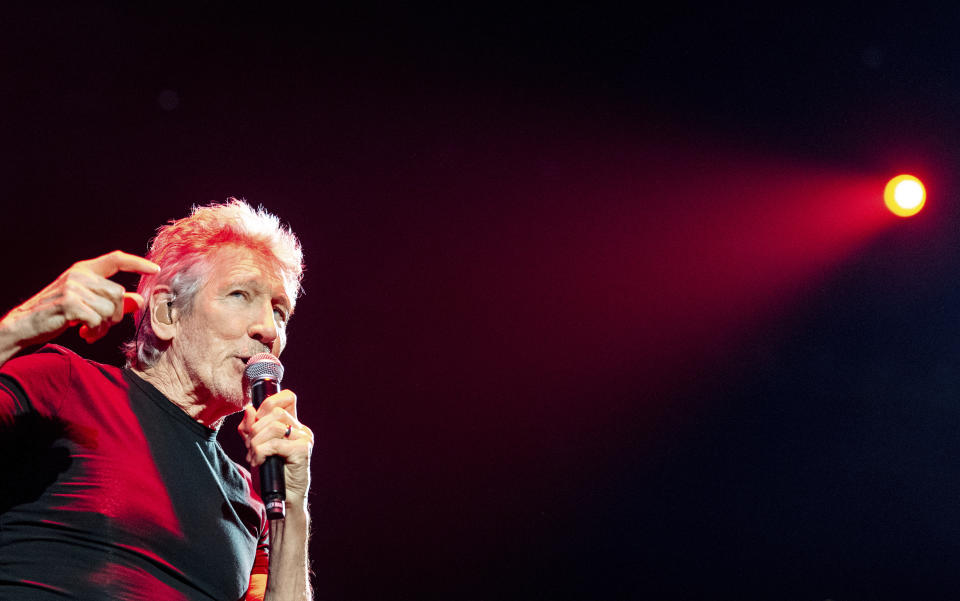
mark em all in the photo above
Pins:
pixel 296 498
pixel 11 340
pixel 297 508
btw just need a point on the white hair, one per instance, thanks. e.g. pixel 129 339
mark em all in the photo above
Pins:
pixel 182 249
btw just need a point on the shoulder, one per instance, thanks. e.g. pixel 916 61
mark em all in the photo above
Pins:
pixel 53 359
pixel 52 371
pixel 50 364
pixel 48 356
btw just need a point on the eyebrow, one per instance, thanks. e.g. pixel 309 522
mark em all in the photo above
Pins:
pixel 282 300
pixel 255 285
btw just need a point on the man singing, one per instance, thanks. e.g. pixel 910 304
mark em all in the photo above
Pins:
pixel 114 485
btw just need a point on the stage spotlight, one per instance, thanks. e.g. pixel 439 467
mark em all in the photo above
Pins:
pixel 904 195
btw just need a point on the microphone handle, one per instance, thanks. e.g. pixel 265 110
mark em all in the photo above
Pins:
pixel 273 486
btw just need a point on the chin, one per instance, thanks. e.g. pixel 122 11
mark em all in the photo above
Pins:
pixel 233 396
pixel 237 401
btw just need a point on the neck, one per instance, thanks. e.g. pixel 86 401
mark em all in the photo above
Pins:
pixel 180 390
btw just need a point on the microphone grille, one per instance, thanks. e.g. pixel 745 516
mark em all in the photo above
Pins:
pixel 263 365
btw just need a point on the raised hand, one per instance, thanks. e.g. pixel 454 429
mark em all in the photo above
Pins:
pixel 274 429
pixel 82 295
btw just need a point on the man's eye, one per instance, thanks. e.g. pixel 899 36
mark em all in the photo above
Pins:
pixel 239 293
pixel 281 314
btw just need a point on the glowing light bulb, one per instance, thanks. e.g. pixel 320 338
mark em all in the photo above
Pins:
pixel 904 195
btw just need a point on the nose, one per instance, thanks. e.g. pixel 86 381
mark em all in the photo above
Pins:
pixel 264 328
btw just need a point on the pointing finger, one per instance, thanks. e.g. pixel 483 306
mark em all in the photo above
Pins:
pixel 110 263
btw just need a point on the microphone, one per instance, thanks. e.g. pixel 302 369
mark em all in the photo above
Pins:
pixel 262 378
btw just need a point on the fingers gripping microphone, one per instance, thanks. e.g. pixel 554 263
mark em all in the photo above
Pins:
pixel 262 377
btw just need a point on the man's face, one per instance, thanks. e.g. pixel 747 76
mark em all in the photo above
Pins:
pixel 242 310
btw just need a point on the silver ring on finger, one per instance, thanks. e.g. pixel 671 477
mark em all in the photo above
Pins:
pixel 287 433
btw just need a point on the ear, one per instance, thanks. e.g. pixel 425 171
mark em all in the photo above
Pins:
pixel 163 315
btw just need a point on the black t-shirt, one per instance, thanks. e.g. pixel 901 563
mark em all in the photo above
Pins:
pixel 110 491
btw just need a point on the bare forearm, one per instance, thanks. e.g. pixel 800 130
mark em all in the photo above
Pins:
pixel 273 429
pixel 289 578
pixel 81 295
pixel 11 337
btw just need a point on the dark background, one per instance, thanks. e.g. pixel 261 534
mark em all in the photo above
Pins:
pixel 601 303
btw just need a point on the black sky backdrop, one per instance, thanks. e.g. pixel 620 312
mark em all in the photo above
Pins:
pixel 498 415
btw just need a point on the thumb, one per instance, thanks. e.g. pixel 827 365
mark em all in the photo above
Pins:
pixel 132 302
